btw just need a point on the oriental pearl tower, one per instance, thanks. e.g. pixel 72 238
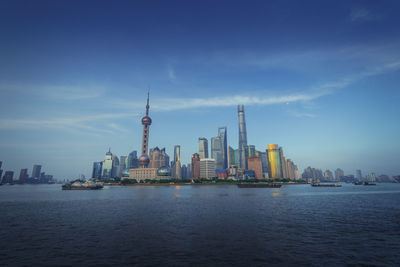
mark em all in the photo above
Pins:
pixel 146 121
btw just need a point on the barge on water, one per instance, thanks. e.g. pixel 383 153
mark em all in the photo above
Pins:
pixel 325 185
pixel 258 185
pixel 82 186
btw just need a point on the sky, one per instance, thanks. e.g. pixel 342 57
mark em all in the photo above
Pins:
pixel 319 78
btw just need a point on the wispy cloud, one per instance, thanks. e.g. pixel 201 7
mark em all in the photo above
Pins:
pixel 362 14
pixel 171 73
pixel 56 92
pixel 76 123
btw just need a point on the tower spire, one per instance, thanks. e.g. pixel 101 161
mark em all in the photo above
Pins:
pixel 148 106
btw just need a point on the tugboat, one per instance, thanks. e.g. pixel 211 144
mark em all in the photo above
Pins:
pixel 78 185
pixel 258 185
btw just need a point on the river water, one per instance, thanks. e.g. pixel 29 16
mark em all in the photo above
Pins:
pixel 200 225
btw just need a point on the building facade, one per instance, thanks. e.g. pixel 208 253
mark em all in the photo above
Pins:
pixel 242 138
pixel 195 166
pixel 207 168
pixel 203 148
pixel 274 161
pixel 255 164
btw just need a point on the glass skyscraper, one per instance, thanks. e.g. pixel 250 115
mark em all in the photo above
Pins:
pixel 203 148
pixel 274 161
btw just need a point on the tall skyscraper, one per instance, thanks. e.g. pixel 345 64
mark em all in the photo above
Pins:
pixel 36 171
pixel 132 160
pixel 203 148
pixel 232 157
pixel 23 175
pixel 283 163
pixel 107 165
pixel 146 122
pixel 177 153
pixel 274 161
pixel 216 152
pixel 97 170
pixel 339 173
pixel 250 151
pixel 176 171
pixel 8 177
pixel 195 166
pixel 222 132
pixel 242 138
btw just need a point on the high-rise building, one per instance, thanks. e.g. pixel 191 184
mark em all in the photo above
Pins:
pixel 97 170
pixel 222 133
pixel 283 163
pixel 207 168
pixel 264 161
pixel 255 164
pixel 132 160
pixel 158 158
pixel 242 138
pixel 274 161
pixel 359 175
pixel 122 165
pixel 203 148
pixel 110 166
pixel 217 152
pixel 176 170
pixel 328 175
pixel 36 171
pixel 233 157
pixel 339 173
pixel 146 122
pixel 249 151
pixel 23 175
pixel 195 166
pixel 8 177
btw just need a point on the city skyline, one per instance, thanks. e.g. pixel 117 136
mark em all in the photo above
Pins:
pixel 321 83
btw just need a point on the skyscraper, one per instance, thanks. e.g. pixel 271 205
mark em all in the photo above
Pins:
pixel 339 173
pixel 23 175
pixel 255 164
pixel 217 152
pixel 283 163
pixel 233 157
pixel 132 160
pixel 359 175
pixel 176 166
pixel 36 171
pixel 242 137
pixel 146 122
pixel 203 148
pixel 222 132
pixel 207 168
pixel 97 170
pixel 8 177
pixel 274 162
pixel 195 166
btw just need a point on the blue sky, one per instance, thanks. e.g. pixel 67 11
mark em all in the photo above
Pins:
pixel 319 78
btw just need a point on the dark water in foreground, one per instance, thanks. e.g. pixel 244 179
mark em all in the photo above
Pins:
pixel 200 225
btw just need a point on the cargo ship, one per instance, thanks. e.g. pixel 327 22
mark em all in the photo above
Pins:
pixel 77 185
pixel 325 185
pixel 259 185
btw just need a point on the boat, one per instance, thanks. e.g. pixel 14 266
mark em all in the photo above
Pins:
pixel 366 183
pixel 358 183
pixel 77 185
pixel 258 185
pixel 325 185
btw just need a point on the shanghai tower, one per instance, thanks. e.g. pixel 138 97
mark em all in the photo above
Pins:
pixel 242 137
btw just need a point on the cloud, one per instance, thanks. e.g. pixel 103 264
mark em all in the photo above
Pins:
pixel 76 123
pixel 171 73
pixel 361 14
pixel 69 93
